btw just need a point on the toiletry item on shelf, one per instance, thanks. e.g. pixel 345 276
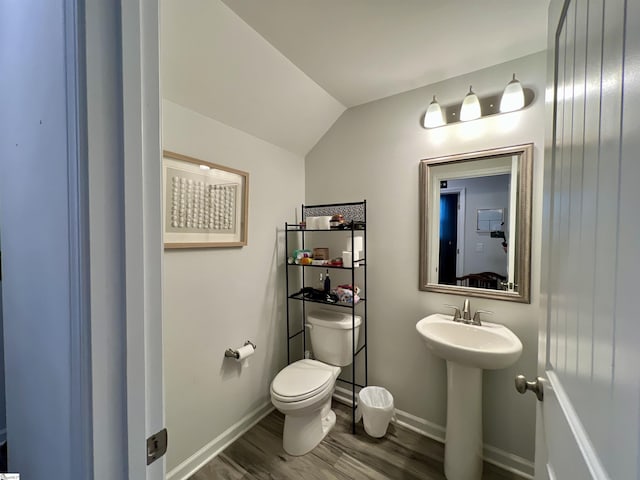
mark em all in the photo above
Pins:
pixel 323 222
pixel 347 294
pixel 357 246
pixel 327 282
pixel 358 242
pixel 320 285
pixel 299 254
pixel 321 253
pixel 337 221
pixel 334 262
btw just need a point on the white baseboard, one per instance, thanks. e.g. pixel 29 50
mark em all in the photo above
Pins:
pixel 218 444
pixel 342 395
pixel 505 460
pixel 508 461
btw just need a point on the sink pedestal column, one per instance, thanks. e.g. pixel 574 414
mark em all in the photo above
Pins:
pixel 463 440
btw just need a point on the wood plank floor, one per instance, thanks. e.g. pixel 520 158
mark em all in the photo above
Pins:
pixel 400 455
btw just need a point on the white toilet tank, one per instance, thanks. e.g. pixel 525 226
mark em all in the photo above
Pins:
pixel 331 339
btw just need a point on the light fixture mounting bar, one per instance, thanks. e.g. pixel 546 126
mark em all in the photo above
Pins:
pixel 490 105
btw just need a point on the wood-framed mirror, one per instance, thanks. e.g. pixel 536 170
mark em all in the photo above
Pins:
pixel 475 223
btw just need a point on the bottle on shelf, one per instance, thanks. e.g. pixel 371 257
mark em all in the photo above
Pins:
pixel 327 282
pixel 320 285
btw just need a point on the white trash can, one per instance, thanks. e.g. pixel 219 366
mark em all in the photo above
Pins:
pixel 376 409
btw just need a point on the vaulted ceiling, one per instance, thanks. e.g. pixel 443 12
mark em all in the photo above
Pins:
pixel 284 70
pixel 363 50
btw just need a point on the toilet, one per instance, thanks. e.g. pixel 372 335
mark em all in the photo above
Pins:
pixel 302 390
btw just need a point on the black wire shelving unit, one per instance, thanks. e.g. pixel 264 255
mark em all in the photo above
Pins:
pixel 355 222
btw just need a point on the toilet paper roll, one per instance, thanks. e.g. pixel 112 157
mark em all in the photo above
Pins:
pixel 357 246
pixel 347 259
pixel 245 351
pixel 324 222
pixel 243 355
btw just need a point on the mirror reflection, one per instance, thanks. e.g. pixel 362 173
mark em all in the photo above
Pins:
pixel 475 223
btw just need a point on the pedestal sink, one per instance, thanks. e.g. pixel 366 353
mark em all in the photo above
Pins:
pixel 468 349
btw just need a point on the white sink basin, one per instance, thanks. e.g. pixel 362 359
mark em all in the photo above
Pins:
pixel 489 346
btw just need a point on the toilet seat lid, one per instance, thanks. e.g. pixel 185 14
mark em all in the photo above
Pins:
pixel 301 380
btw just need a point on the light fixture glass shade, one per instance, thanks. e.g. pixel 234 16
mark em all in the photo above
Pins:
pixel 470 109
pixel 512 97
pixel 434 117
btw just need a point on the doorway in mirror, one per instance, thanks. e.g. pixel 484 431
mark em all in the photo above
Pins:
pixel 448 237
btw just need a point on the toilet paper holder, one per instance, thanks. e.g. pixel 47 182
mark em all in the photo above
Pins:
pixel 231 353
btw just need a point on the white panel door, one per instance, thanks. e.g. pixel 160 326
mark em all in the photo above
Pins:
pixel 589 420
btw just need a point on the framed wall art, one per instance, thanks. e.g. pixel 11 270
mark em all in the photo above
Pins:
pixel 204 204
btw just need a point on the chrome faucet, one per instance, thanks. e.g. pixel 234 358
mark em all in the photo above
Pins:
pixel 466 313
pixel 465 316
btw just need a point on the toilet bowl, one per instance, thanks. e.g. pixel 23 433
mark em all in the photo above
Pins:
pixel 303 390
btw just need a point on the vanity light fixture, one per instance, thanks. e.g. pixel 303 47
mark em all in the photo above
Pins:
pixel 512 97
pixel 434 117
pixel 470 109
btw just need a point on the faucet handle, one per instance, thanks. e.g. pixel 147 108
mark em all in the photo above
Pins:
pixel 456 312
pixel 476 316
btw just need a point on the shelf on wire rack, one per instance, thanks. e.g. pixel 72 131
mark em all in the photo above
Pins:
pixel 338 267
pixel 301 297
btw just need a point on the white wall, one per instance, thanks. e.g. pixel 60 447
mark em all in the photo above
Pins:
pixel 214 63
pixel 373 152
pixel 218 298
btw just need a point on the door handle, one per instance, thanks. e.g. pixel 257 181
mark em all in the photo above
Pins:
pixel 536 386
